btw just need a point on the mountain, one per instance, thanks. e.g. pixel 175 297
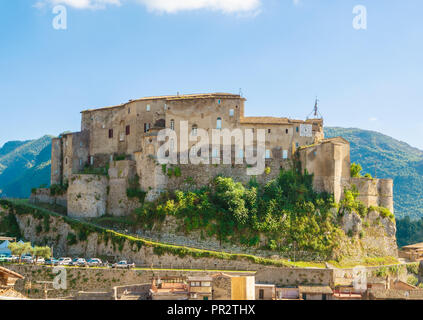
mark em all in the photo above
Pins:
pixel 23 166
pixel 389 158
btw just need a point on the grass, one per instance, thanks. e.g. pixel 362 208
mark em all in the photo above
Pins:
pixel 367 262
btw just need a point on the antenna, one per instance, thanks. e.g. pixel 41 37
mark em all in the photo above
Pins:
pixel 240 92
pixel 316 108
pixel 315 111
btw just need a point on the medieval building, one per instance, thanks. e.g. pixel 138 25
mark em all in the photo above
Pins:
pixel 123 142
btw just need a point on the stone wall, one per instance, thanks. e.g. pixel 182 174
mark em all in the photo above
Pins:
pixel 43 195
pixel 87 196
pixel 375 192
pixel 120 173
pixel 329 162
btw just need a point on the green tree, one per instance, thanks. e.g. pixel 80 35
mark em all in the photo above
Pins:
pixel 20 249
pixel 41 252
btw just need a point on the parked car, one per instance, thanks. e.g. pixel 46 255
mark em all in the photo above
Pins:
pixel 65 261
pixel 79 262
pixel 95 262
pixel 15 258
pixel 51 262
pixel 27 259
pixel 123 265
pixel 40 260
pixel 5 258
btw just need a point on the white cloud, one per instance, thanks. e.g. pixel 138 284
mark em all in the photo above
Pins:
pixel 226 6
pixel 167 6
pixel 83 4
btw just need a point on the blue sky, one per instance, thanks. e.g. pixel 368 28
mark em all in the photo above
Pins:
pixel 282 53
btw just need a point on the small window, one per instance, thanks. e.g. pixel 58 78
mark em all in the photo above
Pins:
pixel 80 162
pixel 194 130
pixel 261 294
pixel 172 124
pixel 231 112
pixel 267 154
pixel 92 160
pixel 128 130
pixel 219 123
pixel 297 145
pixel 129 110
pixel 146 127
pixel 285 154
pixel 165 106
pixel 269 131
pixel 215 153
pixel 122 137
pixel 110 133
pixel 297 129
pixel 218 101
pixel 148 107
pixel 287 131
pixel 66 160
pixel 241 154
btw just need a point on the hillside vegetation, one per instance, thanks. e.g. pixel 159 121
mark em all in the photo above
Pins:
pixel 391 159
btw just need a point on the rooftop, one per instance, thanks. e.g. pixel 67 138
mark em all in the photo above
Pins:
pixel 414 246
pixel 217 95
pixel 11 273
pixel 315 289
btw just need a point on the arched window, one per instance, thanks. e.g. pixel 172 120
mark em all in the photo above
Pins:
pixel 194 130
pixel 172 124
pixel 219 123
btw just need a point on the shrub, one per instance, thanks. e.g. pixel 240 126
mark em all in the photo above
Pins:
pixel 356 170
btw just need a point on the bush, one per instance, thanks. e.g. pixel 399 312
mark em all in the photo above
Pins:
pixel 356 170
pixel 59 189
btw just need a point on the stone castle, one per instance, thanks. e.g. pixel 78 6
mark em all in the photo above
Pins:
pixel 123 141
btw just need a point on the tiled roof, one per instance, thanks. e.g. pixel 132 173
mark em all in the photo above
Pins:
pixel 174 98
pixel 11 273
pixel 264 120
pixel 414 246
pixel 11 293
pixel 315 289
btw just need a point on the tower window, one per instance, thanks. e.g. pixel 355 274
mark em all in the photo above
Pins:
pixel 219 123
pixel 148 107
pixel 231 112
pixel 172 124
pixel 297 129
pixel 286 131
pixel 110 133
pixel 128 130
pixel 269 131
pixel 194 130
pixel 267 154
